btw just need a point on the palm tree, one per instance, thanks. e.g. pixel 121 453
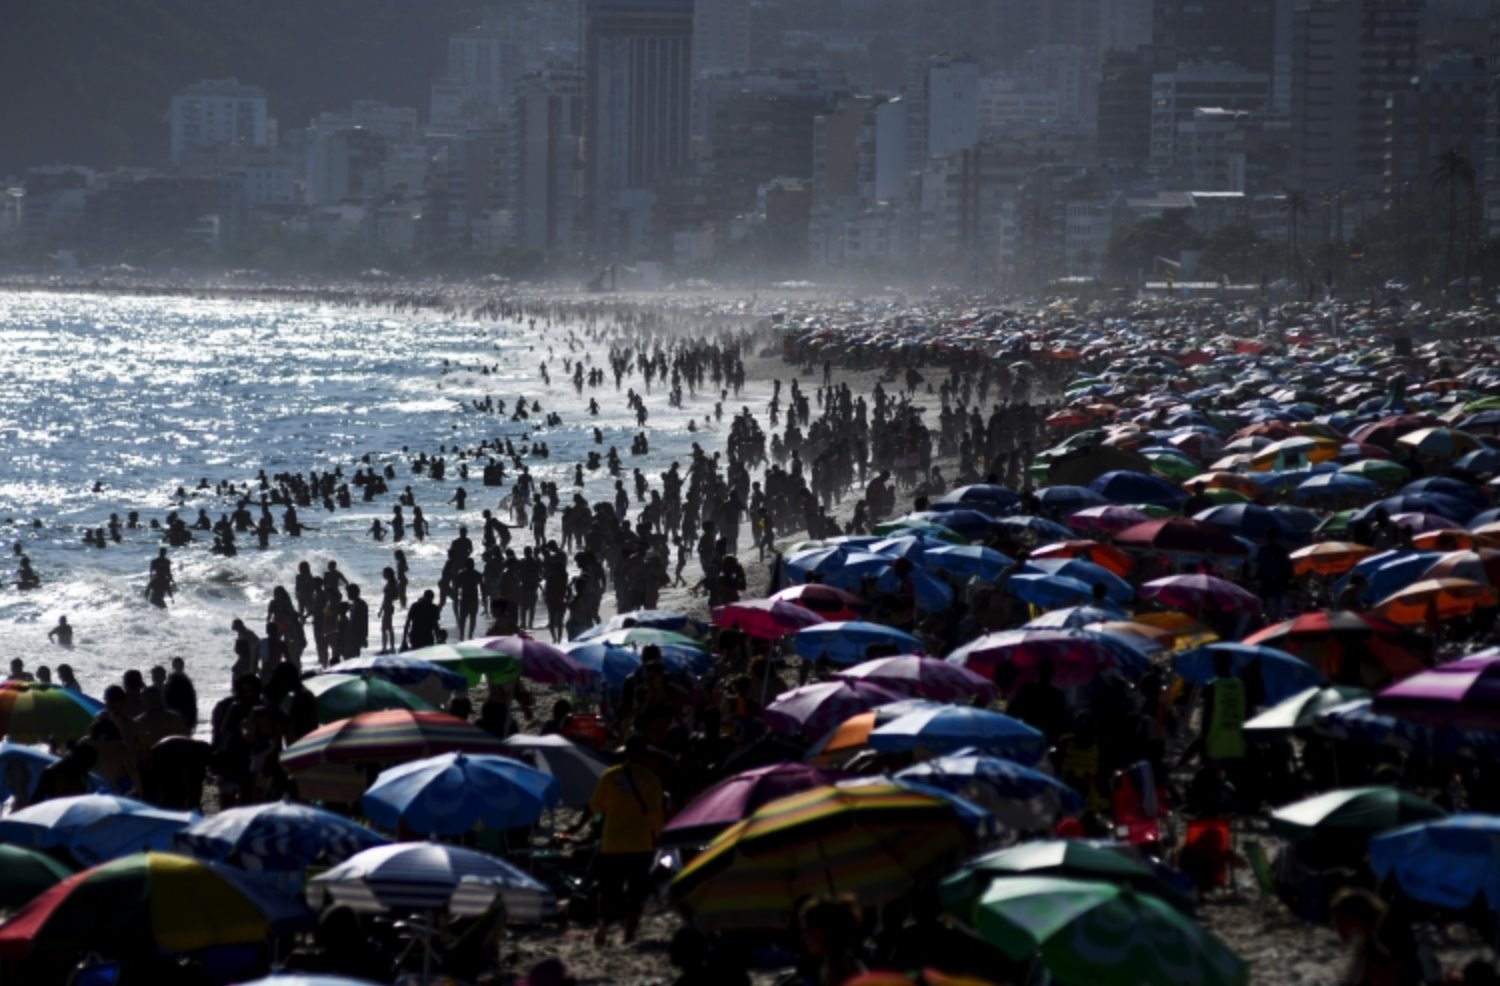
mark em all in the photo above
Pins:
pixel 1452 171
pixel 1296 207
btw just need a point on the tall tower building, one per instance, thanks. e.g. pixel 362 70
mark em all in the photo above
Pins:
pixel 721 36
pixel 637 102
pixel 1242 32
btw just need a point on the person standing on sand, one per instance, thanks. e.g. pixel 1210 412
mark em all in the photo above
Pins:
pixel 629 799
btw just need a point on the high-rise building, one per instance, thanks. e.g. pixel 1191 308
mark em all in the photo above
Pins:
pixel 1442 109
pixel 218 113
pixel 1348 56
pixel 1242 32
pixel 1124 25
pixel 637 96
pixel 545 162
pixel 721 36
pixel 1492 128
pixel 942 108
pixel 1175 95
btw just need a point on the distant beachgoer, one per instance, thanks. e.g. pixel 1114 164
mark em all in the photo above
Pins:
pixel 62 634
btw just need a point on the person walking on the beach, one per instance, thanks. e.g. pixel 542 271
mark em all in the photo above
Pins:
pixel 628 797
pixel 422 621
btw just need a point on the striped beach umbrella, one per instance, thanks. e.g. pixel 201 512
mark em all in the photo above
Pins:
pixel 875 842
pixel 393 736
pixel 421 877
pixel 339 696
pixel 149 900
pixel 31 713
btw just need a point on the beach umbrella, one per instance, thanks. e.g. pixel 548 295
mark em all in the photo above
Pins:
pixel 968 561
pixel 1389 571
pixel 955 727
pixel 1074 617
pixel 1076 859
pixel 1382 472
pixel 146 902
pixel 766 619
pixel 393 736
pixel 851 641
pixel 54 823
pixel 431 682
pixel 1075 657
pixel 650 619
pixel 455 793
pixel 507 657
pixel 1435 599
pixel 1222 479
pixel 1329 557
pixel 1351 814
pixel 828 602
pixel 1300 711
pixel 1357 723
pixel 823 561
pixel 1106 520
pixel 25 873
pixel 923 677
pixel 1449 486
pixel 119 835
pixel 608 665
pixel 928 592
pixel 1046 591
pixel 31 713
pixel 575 768
pixel 418 877
pixel 644 636
pixel 739 796
pixel 1281 675
pixel 1106 556
pixel 1108 934
pixel 812 710
pixel 990 498
pixel 1034 530
pixel 1116 589
pixel 904 526
pixel 277 835
pixel 1181 536
pixel 1451 863
pixel 24 765
pixel 1200 594
pixel 853 734
pixel 1248 520
pixel 1453 510
pixel 1020 798
pixel 1464 694
pixel 1348 647
pixel 1068 499
pixel 874 842
pixel 307 979
pixel 1334 486
pixel 1141 636
pixel 477 660
pixel 972 524
pixel 1481 565
pixel 1124 486
pixel 1439 443
pixel 339 696
pixel 1386 431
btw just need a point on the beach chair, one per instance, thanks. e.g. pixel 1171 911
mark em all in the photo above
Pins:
pixel 1209 842
pixel 1137 806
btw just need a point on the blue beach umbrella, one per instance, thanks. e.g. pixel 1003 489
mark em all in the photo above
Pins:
pixel 1035 529
pixel 18 761
pixel 1075 617
pixel 972 524
pixel 1064 500
pixel 1282 675
pixel 1248 520
pixel 1021 798
pixel 279 835
pixel 113 836
pixel 651 619
pixel 950 728
pixel 398 669
pixel 989 498
pixel 1048 591
pixel 53 823
pixel 1138 487
pixel 457 793
pixel 1333 485
pixel 968 561
pixel 849 642
pixel 1448 486
pixel 929 593
pixel 611 664
pixel 1448 862
pixel 1116 589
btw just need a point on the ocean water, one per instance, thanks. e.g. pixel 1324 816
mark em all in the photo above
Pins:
pixel 145 395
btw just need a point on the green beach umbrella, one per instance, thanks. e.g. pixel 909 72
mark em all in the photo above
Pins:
pixel 25 873
pixel 473 661
pixel 1172 466
pixel 340 696
pixel 1154 511
pixel 1352 810
pixel 1081 859
pixel 1221 494
pixel 903 525
pixel 1300 710
pixel 1101 934
pixel 1382 471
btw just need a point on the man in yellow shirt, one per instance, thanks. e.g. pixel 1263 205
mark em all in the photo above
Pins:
pixel 628 800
